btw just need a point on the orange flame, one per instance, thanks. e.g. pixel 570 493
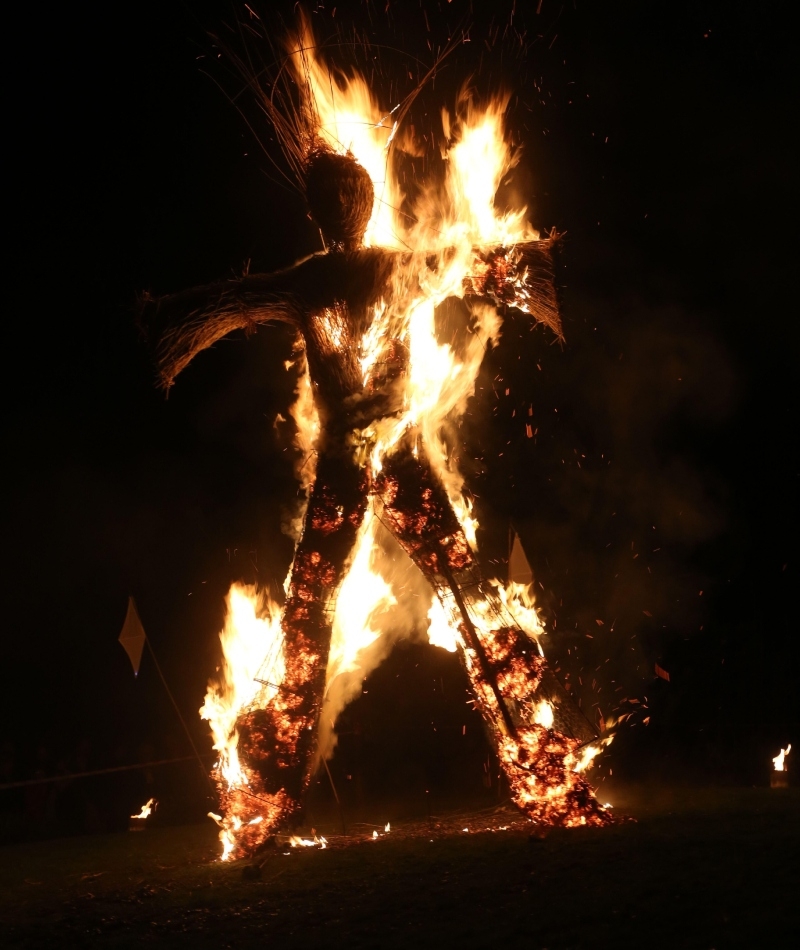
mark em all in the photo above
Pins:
pixel 778 762
pixel 252 631
pixel 147 809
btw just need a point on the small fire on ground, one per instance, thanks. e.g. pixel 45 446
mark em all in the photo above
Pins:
pixel 779 776
pixel 779 761
pixel 138 822
pixel 500 820
pixel 147 809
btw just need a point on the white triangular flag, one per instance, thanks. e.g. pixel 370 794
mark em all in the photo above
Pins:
pixel 133 636
pixel 518 568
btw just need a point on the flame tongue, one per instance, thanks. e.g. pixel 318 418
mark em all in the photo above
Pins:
pixel 247 680
pixel 147 809
pixel 779 760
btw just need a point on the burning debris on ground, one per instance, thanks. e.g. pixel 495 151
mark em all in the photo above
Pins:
pixel 493 820
pixel 379 883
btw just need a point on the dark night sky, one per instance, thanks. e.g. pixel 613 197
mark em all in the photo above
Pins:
pixel 659 141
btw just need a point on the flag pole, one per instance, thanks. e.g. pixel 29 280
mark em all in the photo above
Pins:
pixel 183 721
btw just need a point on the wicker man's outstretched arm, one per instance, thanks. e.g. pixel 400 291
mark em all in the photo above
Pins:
pixel 521 276
pixel 179 326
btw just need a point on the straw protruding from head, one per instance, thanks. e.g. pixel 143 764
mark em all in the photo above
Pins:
pixel 340 197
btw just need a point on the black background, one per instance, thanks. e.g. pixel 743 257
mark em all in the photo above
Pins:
pixel 658 495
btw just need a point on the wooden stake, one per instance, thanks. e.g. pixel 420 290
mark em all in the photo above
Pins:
pixel 206 776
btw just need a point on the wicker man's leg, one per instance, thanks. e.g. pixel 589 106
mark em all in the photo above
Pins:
pixel 277 741
pixel 508 675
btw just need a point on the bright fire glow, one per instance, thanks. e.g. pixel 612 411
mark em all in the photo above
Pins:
pixel 315 842
pixel 147 809
pixel 441 632
pixel 778 761
pixel 249 634
pixel 363 595
pixel 544 715
pixel 252 630
pixel 347 119
pixel 588 755
pixel 307 428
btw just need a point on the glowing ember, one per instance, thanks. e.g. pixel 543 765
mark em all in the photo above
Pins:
pixel 778 761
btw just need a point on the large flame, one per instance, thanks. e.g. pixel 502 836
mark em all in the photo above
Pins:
pixel 303 412
pixel 346 118
pixel 252 630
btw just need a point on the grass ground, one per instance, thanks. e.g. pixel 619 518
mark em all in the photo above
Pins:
pixel 699 868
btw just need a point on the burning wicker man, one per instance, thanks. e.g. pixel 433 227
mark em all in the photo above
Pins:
pixel 382 391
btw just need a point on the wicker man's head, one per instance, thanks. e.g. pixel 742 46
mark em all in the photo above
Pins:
pixel 340 196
